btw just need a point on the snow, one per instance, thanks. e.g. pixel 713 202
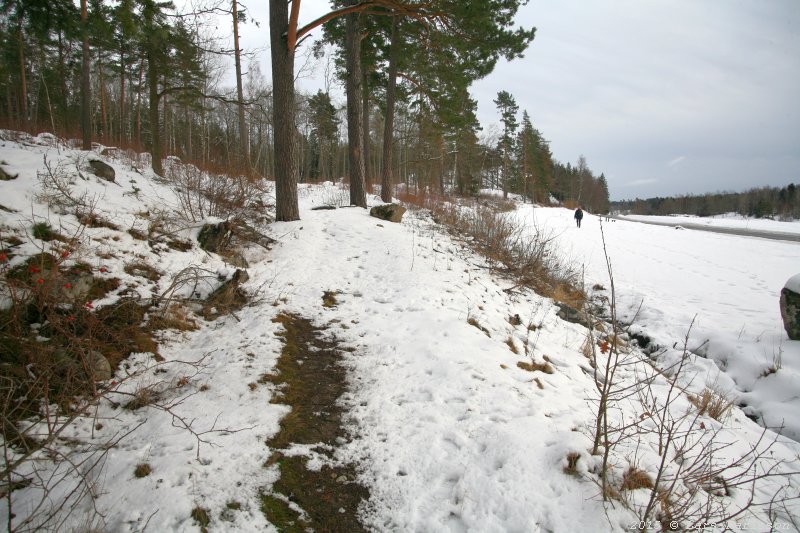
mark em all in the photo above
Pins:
pixel 793 284
pixel 729 220
pixel 729 285
pixel 449 434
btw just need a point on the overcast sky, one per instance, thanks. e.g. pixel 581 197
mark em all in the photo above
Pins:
pixel 664 96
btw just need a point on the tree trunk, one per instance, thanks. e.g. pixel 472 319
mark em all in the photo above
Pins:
pixel 139 106
pixel 528 191
pixel 102 90
pixel 504 181
pixel 243 136
pixel 388 121
pixel 86 82
pixel 153 116
pixel 23 98
pixel 122 126
pixel 283 113
pixel 355 133
pixel 365 128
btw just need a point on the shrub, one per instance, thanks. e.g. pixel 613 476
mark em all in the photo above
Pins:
pixel 713 403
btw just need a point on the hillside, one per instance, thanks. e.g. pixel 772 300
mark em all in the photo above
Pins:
pixel 414 381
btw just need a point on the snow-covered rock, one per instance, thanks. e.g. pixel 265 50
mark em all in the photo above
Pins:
pixel 790 307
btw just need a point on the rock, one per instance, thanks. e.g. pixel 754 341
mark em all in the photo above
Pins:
pixel 388 212
pixel 95 362
pixel 5 176
pixel 214 237
pixel 571 314
pixel 102 170
pixel 790 307
pixel 100 367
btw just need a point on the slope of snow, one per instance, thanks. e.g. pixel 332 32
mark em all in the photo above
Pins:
pixel 448 433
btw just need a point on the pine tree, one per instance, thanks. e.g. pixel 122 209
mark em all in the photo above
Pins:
pixel 508 108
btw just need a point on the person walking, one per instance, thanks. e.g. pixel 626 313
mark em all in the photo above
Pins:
pixel 578 216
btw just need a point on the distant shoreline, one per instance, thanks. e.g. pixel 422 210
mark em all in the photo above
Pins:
pixel 774 235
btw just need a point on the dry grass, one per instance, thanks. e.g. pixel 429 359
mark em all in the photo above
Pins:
pixel 572 464
pixel 511 344
pixel 713 403
pixel 566 293
pixel 176 317
pixel 533 366
pixel 634 478
pixel 142 269
pixel 528 257
pixel 472 321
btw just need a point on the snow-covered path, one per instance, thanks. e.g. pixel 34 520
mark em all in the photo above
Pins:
pixel 452 435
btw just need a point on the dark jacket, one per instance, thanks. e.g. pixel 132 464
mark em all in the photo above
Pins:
pixel 578 213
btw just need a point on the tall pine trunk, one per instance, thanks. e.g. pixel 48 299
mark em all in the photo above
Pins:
pixel 243 135
pixel 365 128
pixel 139 106
pixel 23 97
pixel 101 86
pixel 286 207
pixel 86 82
pixel 355 132
pixel 122 126
pixel 153 116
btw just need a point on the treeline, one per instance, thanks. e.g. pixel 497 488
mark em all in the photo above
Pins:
pixel 140 74
pixel 763 202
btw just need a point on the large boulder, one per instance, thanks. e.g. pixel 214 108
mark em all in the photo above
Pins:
pixel 388 212
pixel 790 307
pixel 102 169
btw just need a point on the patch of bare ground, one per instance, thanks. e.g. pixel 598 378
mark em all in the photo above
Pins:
pixel 311 379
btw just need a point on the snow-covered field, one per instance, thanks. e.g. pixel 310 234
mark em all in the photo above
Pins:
pixel 731 221
pixel 729 285
pixel 449 433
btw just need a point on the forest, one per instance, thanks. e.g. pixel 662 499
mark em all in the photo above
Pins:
pixel 764 202
pixel 149 76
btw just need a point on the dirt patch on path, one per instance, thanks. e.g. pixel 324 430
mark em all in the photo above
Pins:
pixel 311 379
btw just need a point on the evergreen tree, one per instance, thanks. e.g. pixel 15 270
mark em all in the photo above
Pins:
pixel 508 108
pixel 324 127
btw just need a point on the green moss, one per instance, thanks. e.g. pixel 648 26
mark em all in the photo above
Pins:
pixel 283 517
pixel 313 379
